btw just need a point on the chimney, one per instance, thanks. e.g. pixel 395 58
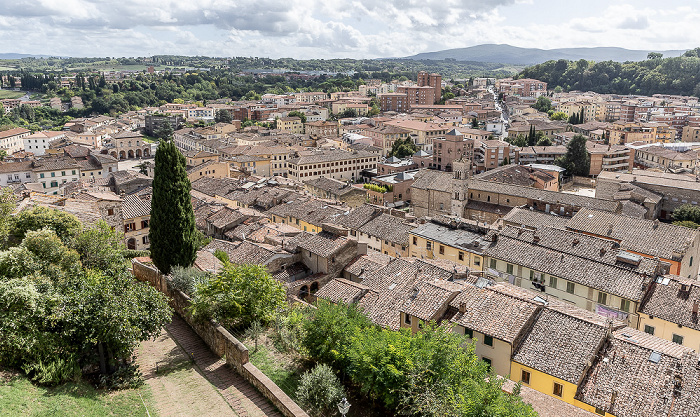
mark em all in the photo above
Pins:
pixel 610 229
pixel 695 308
pixel 463 307
pixel 535 238
pixel 602 251
pixel 656 224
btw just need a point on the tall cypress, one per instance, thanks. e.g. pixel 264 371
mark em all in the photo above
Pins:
pixel 172 227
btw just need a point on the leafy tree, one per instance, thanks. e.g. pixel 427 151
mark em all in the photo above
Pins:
pixel 655 55
pixel 223 116
pixel 543 104
pixel 239 295
pixel 687 223
pixel 164 131
pixel 320 391
pixel 687 212
pixel 298 114
pixel 475 123
pixel 402 148
pixel 558 115
pixel 576 161
pixel 544 141
pixel 172 231
pixel 187 279
pixel 65 225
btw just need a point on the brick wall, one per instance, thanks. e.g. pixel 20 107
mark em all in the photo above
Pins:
pixel 220 341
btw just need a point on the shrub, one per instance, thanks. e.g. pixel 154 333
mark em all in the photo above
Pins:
pixel 319 391
pixel 53 371
pixel 187 279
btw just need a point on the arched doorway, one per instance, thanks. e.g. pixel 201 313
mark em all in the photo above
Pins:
pixel 131 244
pixel 113 154
pixel 314 287
pixel 122 155
pixel 303 292
pixel 131 154
pixel 138 153
pixel 146 153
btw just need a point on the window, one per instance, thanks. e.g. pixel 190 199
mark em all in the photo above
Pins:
pixel 677 339
pixel 415 241
pixel 40 175
pixel 429 245
pixel 469 332
pixel 492 264
pixel 442 250
pixel 625 305
pixel 406 318
pixel 553 281
pixel 558 389
pixel 570 287
pixel 63 173
pixel 649 329
pixel 28 175
pixel 488 361
pixel 461 256
pixel 602 298
pixel 144 224
pixel 54 183
pixel 53 174
pixel 599 411
pixel 145 240
pixel 524 377
pixel 73 172
pixel 509 268
pixel 488 340
pixel 477 261
pixel 110 212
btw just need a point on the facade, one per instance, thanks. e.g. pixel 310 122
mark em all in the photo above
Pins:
pixel 53 173
pixel 459 242
pixel 290 124
pixel 136 214
pixel 322 128
pixel 12 140
pixel 612 158
pixel 152 122
pixel 336 164
pixel 129 145
pixel 431 80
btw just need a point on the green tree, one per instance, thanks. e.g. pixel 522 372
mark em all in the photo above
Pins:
pixel 164 131
pixel 655 55
pixel 402 148
pixel 543 104
pixel 320 391
pixel 544 141
pixel 558 115
pixel 687 223
pixel 239 295
pixel 475 123
pixel 576 161
pixel 172 233
pixel 687 212
pixel 223 116
pixel 65 225
pixel 296 113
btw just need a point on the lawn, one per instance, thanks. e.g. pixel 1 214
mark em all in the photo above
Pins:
pixel 10 94
pixel 284 369
pixel 19 397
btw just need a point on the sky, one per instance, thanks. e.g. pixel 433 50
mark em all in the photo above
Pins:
pixel 326 29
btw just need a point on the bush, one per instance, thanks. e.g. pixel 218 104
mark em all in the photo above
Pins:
pixel 687 212
pixel 53 371
pixel 319 391
pixel 187 279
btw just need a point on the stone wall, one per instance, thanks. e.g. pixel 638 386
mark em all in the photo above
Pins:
pixel 219 341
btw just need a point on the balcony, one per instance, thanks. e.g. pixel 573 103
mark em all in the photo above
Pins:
pixel 615 159
pixel 614 167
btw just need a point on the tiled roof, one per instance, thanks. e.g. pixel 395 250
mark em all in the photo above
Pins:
pixel 542 195
pixel 342 290
pixel 430 299
pixel 323 244
pixel 577 258
pixel 136 206
pixel 433 180
pixel 493 313
pixel 54 164
pixel 330 156
pixel 534 219
pixel 370 262
pixel 638 375
pixel 667 301
pixel 357 217
pixel 639 235
pixel 311 211
pixel 455 237
pixel 214 186
pixel 331 185
pixel 225 217
pixel 247 252
pixel 389 228
pixel 11 167
pixel 206 261
pixel 560 345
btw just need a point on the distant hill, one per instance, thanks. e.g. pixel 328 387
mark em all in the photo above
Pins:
pixel 507 54
pixel 20 56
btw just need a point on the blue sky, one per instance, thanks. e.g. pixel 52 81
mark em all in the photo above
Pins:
pixel 331 29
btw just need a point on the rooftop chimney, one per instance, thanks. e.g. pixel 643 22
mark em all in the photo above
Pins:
pixel 462 307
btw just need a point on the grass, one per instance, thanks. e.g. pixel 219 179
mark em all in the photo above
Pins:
pixel 281 368
pixel 150 139
pixel 19 397
pixel 10 94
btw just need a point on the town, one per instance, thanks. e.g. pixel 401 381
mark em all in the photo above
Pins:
pixel 557 230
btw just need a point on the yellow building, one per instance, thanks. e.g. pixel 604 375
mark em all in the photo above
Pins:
pixel 629 132
pixel 590 110
pixel 305 214
pixel 136 214
pixel 290 124
pixel 555 355
pixel 212 169
pixel 670 311
pixel 251 164
pixel 437 240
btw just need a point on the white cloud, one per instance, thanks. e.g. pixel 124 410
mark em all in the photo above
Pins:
pixel 321 28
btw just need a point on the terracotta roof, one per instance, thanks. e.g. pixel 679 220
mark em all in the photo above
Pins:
pixel 667 300
pixel 430 299
pixel 323 244
pixel 560 345
pixel 370 262
pixel 534 219
pixel 388 228
pixel 342 290
pixel 136 206
pixel 649 237
pixel 638 375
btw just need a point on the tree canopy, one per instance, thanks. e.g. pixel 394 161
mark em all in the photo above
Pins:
pixel 402 148
pixel 576 161
pixel 172 232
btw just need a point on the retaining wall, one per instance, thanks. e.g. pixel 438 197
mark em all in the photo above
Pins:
pixel 219 340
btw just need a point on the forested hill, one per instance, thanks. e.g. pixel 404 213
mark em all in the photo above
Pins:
pixel 678 75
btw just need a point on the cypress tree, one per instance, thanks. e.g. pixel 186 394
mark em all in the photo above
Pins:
pixel 172 227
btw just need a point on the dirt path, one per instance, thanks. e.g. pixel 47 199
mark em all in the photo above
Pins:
pixel 206 387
